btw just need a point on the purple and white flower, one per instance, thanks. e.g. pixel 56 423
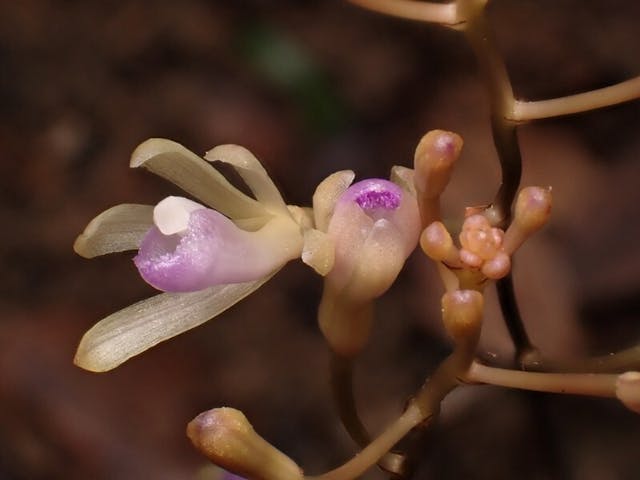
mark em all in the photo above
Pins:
pixel 205 257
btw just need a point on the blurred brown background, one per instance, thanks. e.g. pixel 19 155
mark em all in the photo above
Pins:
pixel 310 87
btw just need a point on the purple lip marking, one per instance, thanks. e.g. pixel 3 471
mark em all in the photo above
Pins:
pixel 378 198
pixel 375 195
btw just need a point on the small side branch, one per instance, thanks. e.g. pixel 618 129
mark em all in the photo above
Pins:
pixel 442 13
pixel 618 362
pixel 596 385
pixel 582 102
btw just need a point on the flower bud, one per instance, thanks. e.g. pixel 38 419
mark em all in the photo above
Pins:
pixel 479 238
pixel 628 390
pixel 462 314
pixel 434 158
pixel 482 247
pixel 532 211
pixel 437 244
pixel 227 438
pixel 374 227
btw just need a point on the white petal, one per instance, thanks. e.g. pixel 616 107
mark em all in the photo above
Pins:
pixel 172 214
pixel 117 229
pixel 172 161
pixel 142 325
pixel 253 173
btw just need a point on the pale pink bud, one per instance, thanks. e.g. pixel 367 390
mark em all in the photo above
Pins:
pixel 532 211
pixel 628 390
pixel 480 238
pixel 434 159
pixel 437 243
pixel 227 438
pixel 374 226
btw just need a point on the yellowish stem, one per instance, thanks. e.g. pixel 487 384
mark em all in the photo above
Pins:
pixel 582 102
pixel 618 362
pixel 376 449
pixel 593 384
pixel 443 13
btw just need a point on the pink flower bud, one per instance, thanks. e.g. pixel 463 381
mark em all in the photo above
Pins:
pixel 531 213
pixel 434 159
pixel 375 226
pixel 227 438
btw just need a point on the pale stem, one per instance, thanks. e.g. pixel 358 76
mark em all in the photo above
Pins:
pixel 496 79
pixel 618 362
pixel 592 384
pixel 376 449
pixel 342 386
pixel 449 279
pixel 443 13
pixel 493 70
pixel 424 406
pixel 523 111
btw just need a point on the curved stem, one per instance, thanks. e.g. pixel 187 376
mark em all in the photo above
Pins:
pixel 592 384
pixel 498 85
pixel 342 388
pixel 355 467
pixel 523 111
pixel 422 408
pixel 513 319
pixel 443 13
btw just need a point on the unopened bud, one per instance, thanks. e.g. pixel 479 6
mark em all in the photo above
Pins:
pixel 532 211
pixel 437 243
pixel 498 267
pixel 435 156
pixel 374 227
pixel 462 314
pixel 628 390
pixel 227 438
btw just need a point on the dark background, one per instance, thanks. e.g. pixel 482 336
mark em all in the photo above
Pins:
pixel 310 88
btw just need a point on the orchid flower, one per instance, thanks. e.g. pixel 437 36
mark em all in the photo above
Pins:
pixel 204 259
pixel 374 225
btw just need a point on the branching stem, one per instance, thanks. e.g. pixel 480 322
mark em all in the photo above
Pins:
pixel 523 111
pixel 593 384
pixel 422 408
pixel 618 362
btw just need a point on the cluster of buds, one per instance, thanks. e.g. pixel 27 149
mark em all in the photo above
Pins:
pixel 484 251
